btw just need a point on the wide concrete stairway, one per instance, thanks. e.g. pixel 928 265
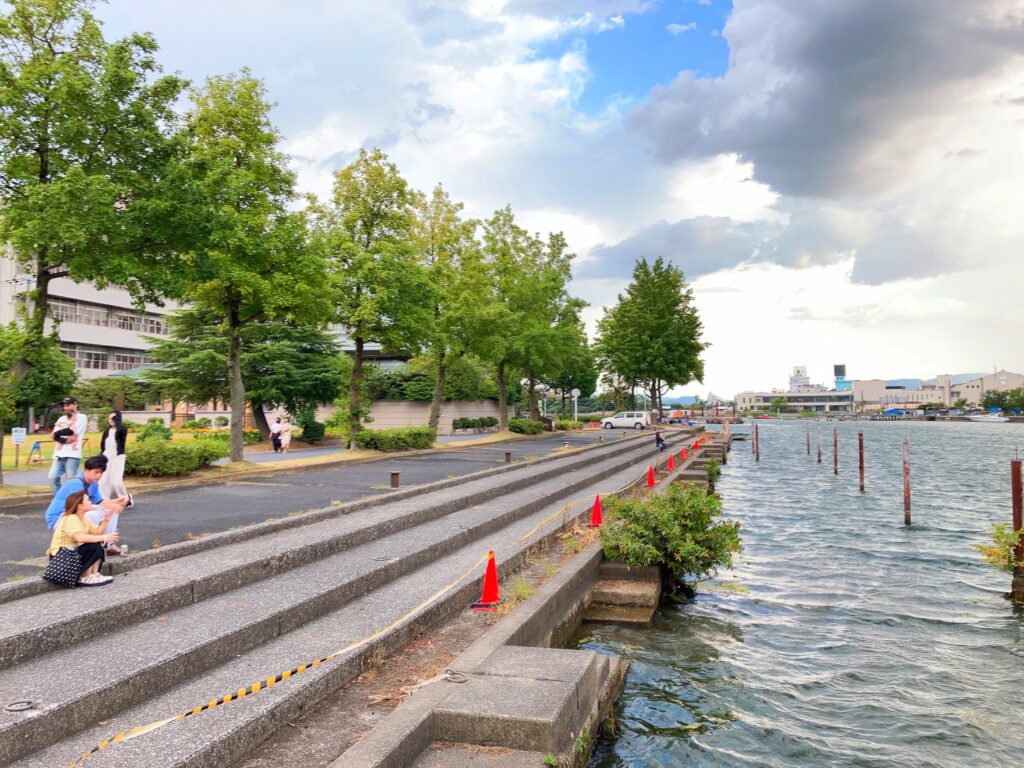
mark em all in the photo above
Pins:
pixel 215 618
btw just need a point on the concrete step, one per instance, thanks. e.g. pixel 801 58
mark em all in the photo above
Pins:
pixel 168 649
pixel 395 611
pixel 44 623
pixel 440 755
pixel 620 614
pixel 631 592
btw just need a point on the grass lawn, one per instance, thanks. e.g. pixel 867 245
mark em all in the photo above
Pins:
pixel 91 448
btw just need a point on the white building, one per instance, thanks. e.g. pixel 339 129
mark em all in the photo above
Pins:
pixel 99 329
pixel 802 395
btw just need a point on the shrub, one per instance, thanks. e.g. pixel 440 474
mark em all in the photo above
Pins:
pixel 714 470
pixel 1001 552
pixel 131 426
pixel 221 421
pixel 677 531
pixel 525 426
pixel 401 439
pixel 490 421
pixel 249 436
pixel 158 458
pixel 481 423
pixel 203 423
pixel 313 431
pixel 568 425
pixel 155 429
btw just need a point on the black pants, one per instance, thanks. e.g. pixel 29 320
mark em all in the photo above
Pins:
pixel 275 440
pixel 90 553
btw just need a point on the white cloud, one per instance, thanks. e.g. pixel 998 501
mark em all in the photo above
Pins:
pixel 678 29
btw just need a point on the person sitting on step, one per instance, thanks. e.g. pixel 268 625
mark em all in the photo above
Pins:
pixel 75 531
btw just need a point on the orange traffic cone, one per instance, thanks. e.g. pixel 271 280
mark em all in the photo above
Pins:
pixel 595 514
pixel 682 454
pixel 671 462
pixel 696 445
pixel 650 476
pixel 490 599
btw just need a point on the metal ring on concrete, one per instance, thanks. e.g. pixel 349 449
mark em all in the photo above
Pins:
pixel 20 706
pixel 454 677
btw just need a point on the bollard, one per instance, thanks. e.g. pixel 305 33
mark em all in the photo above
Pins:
pixel 817 440
pixel 860 451
pixel 906 482
pixel 835 451
pixel 1017 490
pixel 565 444
pixel 394 479
pixel 757 443
pixel 808 441
pixel 508 457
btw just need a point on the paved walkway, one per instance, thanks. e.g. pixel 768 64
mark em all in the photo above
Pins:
pixel 164 517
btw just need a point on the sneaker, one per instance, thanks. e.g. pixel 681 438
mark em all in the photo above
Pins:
pixel 94 580
pixel 115 551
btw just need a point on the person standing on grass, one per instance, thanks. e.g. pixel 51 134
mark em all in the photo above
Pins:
pixel 275 434
pixel 286 434
pixel 68 455
pixel 112 442
pixel 88 481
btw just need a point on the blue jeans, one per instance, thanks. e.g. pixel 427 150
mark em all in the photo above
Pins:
pixel 62 465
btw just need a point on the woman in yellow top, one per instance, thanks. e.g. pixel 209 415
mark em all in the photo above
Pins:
pixel 75 531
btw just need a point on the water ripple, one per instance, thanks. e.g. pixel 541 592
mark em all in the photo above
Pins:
pixel 857 641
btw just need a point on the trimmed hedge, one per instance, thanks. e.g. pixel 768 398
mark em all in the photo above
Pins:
pixel 400 439
pixel 567 425
pixel 160 458
pixel 313 431
pixel 203 423
pixel 481 423
pixel 249 436
pixel 525 426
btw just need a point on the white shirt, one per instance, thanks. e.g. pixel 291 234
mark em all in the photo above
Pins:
pixel 275 427
pixel 79 424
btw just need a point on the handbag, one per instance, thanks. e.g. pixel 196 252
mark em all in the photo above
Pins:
pixel 64 568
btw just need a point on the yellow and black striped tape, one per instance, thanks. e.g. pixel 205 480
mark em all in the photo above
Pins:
pixel 261 685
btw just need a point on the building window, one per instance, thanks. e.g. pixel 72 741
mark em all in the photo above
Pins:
pixel 85 357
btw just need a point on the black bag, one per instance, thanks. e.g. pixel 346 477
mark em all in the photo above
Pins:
pixel 65 567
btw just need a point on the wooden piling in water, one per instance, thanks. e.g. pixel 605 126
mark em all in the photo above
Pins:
pixel 860 451
pixel 818 441
pixel 1017 491
pixel 808 441
pixel 906 482
pixel 757 443
pixel 835 451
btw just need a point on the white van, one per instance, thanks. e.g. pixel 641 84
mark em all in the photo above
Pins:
pixel 627 420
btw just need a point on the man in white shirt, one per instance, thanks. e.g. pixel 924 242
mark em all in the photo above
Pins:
pixel 69 454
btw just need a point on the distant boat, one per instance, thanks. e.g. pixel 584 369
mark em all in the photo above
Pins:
pixel 988 417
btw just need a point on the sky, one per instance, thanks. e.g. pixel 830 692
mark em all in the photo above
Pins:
pixel 841 182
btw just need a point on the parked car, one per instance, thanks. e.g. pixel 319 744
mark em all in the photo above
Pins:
pixel 627 420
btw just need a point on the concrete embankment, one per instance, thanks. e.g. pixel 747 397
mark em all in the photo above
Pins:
pixel 183 628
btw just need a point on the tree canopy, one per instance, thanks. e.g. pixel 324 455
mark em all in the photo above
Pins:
pixel 653 335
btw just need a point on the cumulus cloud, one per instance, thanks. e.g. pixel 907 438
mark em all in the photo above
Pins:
pixel 828 98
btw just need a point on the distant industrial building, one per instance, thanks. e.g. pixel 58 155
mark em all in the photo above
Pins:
pixel 945 390
pixel 802 395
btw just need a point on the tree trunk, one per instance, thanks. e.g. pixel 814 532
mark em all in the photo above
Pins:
pixel 260 418
pixel 502 398
pixel 235 386
pixel 354 393
pixel 532 398
pixel 655 402
pixel 435 404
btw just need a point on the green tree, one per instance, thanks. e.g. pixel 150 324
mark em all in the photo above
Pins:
pixel 87 154
pixel 112 392
pixel 779 404
pixel 33 373
pixel 380 287
pixel 465 314
pixel 575 364
pixel 284 363
pixel 653 335
pixel 961 402
pixel 994 399
pixel 538 318
pixel 252 262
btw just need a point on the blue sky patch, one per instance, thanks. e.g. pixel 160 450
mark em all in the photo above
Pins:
pixel 650 49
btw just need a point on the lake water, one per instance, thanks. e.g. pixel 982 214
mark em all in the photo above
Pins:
pixel 842 637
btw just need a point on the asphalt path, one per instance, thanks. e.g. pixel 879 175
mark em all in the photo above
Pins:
pixel 169 516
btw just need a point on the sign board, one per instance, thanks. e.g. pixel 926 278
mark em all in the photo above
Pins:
pixel 18 435
pixel 575 393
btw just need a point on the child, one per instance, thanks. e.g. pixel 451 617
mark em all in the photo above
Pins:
pixel 62 429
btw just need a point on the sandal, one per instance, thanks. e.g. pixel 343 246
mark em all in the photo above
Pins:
pixel 94 580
